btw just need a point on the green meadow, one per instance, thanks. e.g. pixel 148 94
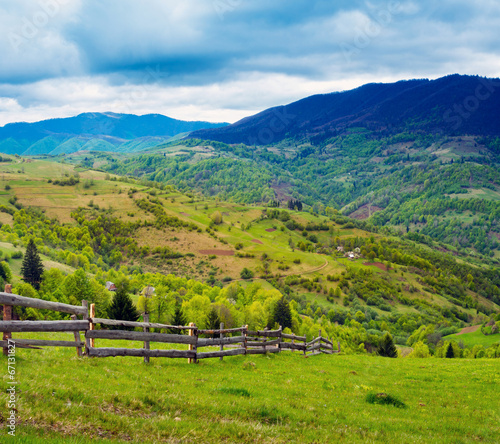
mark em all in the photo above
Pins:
pixel 282 398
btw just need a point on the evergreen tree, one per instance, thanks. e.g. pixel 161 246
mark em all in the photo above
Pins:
pixel 282 314
pixel 32 267
pixel 386 347
pixel 179 319
pixel 213 320
pixel 122 308
pixel 449 351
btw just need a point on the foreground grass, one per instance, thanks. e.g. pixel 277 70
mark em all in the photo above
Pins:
pixel 280 398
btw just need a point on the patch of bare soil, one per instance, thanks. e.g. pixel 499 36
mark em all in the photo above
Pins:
pixel 376 264
pixel 469 329
pixel 217 252
pixel 257 241
pixel 270 230
pixel 365 212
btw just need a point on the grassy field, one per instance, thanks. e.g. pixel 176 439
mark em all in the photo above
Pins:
pixel 277 399
pixel 476 337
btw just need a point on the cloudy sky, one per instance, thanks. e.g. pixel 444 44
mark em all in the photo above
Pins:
pixel 221 60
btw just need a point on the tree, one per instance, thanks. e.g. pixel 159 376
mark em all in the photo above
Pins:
pixel 246 273
pixel 122 307
pixel 213 321
pixel 386 347
pixel 179 319
pixel 32 267
pixel 282 315
pixel 449 351
pixel 216 218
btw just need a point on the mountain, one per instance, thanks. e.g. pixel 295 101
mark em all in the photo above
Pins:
pixel 452 105
pixel 106 130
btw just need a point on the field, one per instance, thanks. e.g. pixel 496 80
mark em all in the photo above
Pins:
pixel 476 337
pixel 277 399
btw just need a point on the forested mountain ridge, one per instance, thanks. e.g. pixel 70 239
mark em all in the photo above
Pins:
pixel 452 105
pixel 93 131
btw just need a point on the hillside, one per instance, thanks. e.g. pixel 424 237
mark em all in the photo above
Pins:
pixel 452 105
pixel 102 131
pixel 115 228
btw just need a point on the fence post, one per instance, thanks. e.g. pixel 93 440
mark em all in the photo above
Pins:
pixel 193 347
pixel 85 305
pixel 319 336
pixel 265 340
pixel 281 339
pixel 146 343
pixel 91 326
pixel 7 316
pixel 222 337
pixel 245 332
pixel 338 346
pixel 305 345
pixel 78 339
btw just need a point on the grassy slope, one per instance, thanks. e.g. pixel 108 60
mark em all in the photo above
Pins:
pixel 279 399
pixel 476 337
pixel 28 182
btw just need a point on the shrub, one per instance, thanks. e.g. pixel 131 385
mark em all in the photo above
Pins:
pixel 386 347
pixel 246 274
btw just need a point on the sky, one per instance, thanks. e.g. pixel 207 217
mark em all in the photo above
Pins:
pixel 222 60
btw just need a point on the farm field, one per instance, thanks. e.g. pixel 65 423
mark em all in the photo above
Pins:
pixel 278 398
pixel 473 338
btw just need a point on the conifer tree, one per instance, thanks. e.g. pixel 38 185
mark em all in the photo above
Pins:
pixel 282 314
pixel 32 267
pixel 449 351
pixel 213 320
pixel 386 347
pixel 122 308
pixel 179 319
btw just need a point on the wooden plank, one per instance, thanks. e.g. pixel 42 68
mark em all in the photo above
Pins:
pixel 266 333
pixel 221 338
pixel 192 346
pixel 254 351
pixel 218 341
pixel 326 352
pixel 326 346
pixel 22 301
pixel 44 343
pixel 263 344
pixel 219 354
pixel 140 352
pixel 314 341
pixel 31 347
pixel 140 336
pixel 225 331
pixel 290 346
pixel 91 325
pixel 118 323
pixel 86 317
pixel 39 326
pixel 326 341
pixel 293 337
pixel 313 347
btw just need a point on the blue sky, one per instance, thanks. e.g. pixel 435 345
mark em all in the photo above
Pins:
pixel 221 60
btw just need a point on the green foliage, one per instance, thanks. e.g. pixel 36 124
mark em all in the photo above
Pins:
pixel 449 352
pixel 282 314
pixel 386 347
pixel 32 267
pixel 122 307
pixel 246 273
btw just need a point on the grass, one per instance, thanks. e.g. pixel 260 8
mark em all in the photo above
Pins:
pixel 474 338
pixel 278 399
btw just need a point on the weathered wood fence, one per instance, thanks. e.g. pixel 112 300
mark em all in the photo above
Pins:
pixel 231 342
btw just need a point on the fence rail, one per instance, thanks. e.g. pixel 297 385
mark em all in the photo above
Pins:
pixel 248 342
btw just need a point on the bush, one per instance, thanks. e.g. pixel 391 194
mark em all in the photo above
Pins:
pixel 385 399
pixel 246 274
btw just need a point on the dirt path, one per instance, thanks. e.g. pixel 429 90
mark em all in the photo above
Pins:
pixel 469 329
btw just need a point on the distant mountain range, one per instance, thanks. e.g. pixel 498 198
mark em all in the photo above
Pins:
pixel 94 131
pixel 453 105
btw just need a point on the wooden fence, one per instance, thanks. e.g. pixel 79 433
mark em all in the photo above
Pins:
pixel 231 342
